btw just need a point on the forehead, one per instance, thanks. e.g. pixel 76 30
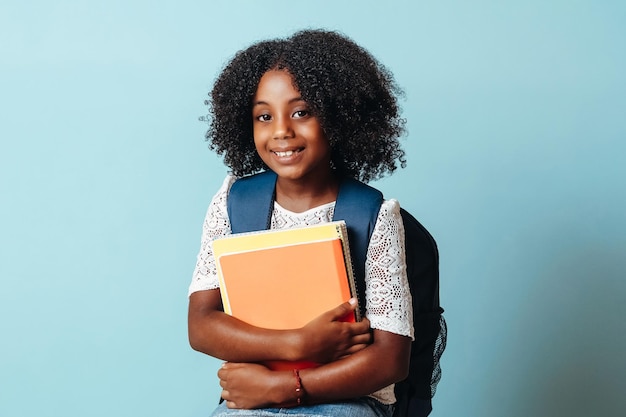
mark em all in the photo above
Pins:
pixel 276 85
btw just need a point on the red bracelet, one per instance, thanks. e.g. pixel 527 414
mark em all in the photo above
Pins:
pixel 299 389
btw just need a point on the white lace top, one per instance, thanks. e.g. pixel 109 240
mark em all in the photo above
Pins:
pixel 387 297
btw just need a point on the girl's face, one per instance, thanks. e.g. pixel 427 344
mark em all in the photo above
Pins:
pixel 288 138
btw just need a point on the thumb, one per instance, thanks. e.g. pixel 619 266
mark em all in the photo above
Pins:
pixel 344 309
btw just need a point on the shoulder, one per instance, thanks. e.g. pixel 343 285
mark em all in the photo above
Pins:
pixel 228 182
pixel 224 189
pixel 390 207
pixel 390 212
pixel 389 220
pixel 218 202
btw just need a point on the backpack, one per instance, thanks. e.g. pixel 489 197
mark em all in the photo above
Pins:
pixel 250 205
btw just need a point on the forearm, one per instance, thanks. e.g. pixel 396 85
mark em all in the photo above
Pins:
pixel 232 340
pixel 384 362
pixel 219 335
pixel 324 339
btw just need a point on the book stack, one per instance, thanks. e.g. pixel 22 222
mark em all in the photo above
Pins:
pixel 283 279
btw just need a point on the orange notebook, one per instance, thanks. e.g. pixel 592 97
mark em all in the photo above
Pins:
pixel 282 279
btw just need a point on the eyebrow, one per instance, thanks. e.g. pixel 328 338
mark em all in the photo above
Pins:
pixel 261 102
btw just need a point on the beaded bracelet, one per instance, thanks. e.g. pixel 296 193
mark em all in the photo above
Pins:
pixel 299 388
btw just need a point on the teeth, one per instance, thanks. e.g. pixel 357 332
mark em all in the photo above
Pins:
pixel 288 153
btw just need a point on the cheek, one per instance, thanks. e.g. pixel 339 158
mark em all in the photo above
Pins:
pixel 258 145
pixel 321 138
pixel 314 131
pixel 257 136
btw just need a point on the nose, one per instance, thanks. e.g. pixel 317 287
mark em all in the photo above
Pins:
pixel 283 128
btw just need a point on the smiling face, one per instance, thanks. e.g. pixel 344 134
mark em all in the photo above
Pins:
pixel 288 138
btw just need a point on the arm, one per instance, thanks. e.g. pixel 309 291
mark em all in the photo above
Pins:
pixel 384 362
pixel 322 340
pixel 380 364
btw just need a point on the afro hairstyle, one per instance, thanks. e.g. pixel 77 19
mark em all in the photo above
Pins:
pixel 354 97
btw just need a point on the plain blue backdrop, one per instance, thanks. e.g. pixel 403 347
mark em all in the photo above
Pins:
pixel 516 114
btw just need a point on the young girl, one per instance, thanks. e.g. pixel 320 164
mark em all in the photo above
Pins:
pixel 312 108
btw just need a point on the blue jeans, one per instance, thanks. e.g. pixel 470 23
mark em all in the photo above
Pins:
pixel 362 407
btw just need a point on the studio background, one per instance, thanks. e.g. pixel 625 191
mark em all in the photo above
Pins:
pixel 516 118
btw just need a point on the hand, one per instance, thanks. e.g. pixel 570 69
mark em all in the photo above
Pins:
pixel 247 385
pixel 327 338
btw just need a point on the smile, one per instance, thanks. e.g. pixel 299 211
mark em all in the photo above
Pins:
pixel 286 153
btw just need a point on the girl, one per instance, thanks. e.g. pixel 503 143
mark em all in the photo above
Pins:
pixel 312 108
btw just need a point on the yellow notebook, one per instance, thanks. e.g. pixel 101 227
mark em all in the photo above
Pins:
pixel 282 279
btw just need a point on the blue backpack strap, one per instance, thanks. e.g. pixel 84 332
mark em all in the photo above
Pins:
pixel 358 205
pixel 251 201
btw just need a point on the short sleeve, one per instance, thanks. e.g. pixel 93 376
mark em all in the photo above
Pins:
pixel 216 224
pixel 388 298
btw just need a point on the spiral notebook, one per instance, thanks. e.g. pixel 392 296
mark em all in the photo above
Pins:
pixel 282 279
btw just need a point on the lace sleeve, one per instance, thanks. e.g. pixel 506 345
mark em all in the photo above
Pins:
pixel 216 224
pixel 388 299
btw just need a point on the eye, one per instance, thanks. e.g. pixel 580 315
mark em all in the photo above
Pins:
pixel 300 114
pixel 263 117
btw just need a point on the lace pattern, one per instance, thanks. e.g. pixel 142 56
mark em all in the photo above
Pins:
pixel 387 295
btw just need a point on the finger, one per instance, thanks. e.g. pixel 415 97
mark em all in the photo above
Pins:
pixel 355 348
pixel 358 328
pixel 362 326
pixel 362 339
pixel 343 309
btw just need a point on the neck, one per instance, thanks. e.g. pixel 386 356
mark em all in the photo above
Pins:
pixel 300 196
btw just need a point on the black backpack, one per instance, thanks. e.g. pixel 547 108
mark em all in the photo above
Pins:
pixel 250 205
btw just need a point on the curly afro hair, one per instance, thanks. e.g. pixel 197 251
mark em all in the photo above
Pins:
pixel 347 89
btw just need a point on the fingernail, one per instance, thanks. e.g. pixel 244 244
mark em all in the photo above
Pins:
pixel 352 301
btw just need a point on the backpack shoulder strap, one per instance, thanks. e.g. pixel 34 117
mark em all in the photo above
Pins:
pixel 251 201
pixel 358 205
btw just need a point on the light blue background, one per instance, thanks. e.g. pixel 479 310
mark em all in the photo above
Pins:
pixel 516 113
